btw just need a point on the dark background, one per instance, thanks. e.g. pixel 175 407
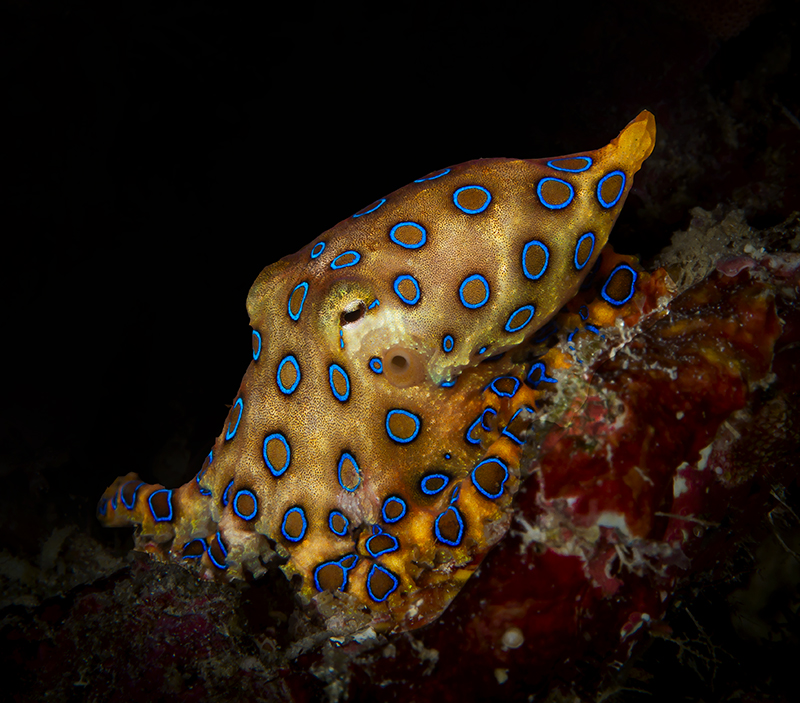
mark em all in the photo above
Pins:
pixel 156 156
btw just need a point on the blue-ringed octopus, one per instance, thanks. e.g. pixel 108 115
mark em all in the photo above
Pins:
pixel 376 440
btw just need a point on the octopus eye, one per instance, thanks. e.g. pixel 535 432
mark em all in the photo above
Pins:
pixel 354 313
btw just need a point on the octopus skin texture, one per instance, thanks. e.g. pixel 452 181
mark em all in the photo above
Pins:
pixel 376 440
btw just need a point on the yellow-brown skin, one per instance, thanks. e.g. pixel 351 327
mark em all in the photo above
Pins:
pixel 340 323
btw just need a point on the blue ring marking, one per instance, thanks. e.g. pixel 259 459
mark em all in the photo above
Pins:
pixel 571 335
pixel 433 491
pixel 190 542
pixel 277 471
pixel 508 434
pixel 114 500
pixel 455 494
pixel 348 455
pixel 417 423
pixel 288 359
pixel 377 532
pixel 341 563
pixel 378 567
pixel 398 281
pixel 448 384
pixel 600 188
pixel 232 432
pixel 389 500
pixel 531 312
pixel 377 205
pixel 257 352
pixel 548 205
pixel 604 289
pixel 335 367
pixel 245 492
pixel 459 519
pixel 583 312
pixel 478 421
pixel 222 548
pixel 412 224
pixel 304 286
pixel 133 498
pixel 503 394
pixel 374 304
pixel 332 515
pixel 375 365
pixel 302 515
pixel 221 544
pixel 481 489
pixel 335 266
pixel 447 455
pixel 341 338
pixel 552 164
pixel 468 434
pixel 168 491
pixel 473 277
pixel 482 349
pixel 203 490
pixel 543 247
pixel 448 343
pixel 594 329
pixel 578 247
pixel 477 210
pixel 226 494
pixel 551 206
pixel 346 557
pixel 319 247
pixel 433 178
pixel 102 507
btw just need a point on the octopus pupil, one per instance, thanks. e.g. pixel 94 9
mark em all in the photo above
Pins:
pixel 350 316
